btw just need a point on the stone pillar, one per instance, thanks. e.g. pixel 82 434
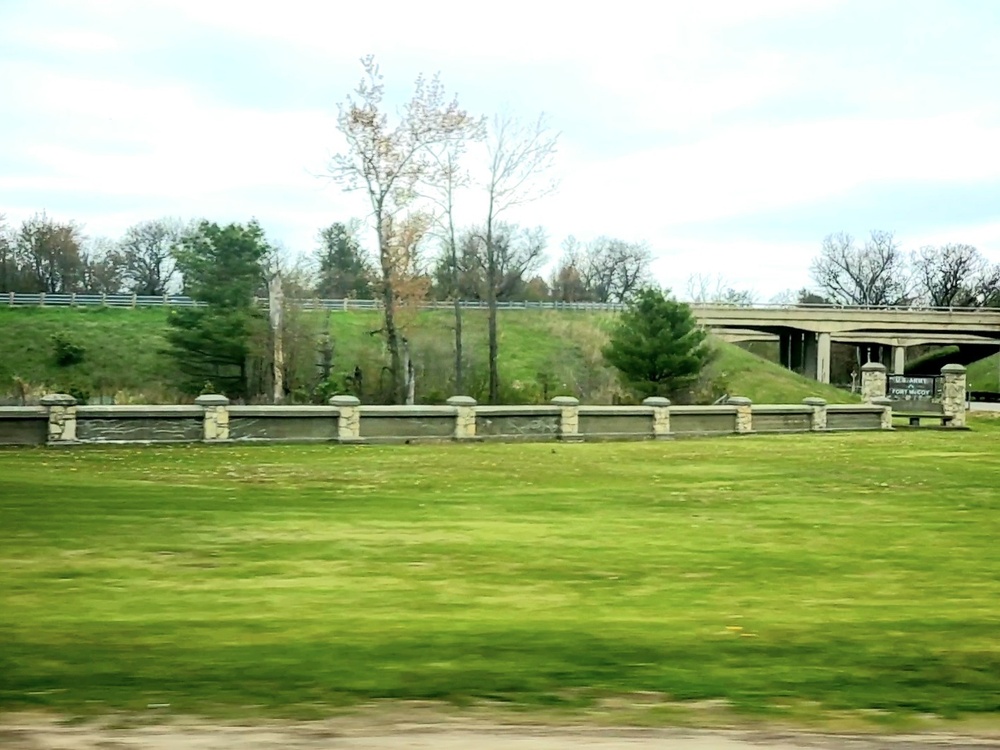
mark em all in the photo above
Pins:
pixel 899 360
pixel 952 394
pixel 349 419
pixel 216 417
pixel 873 381
pixel 465 417
pixel 62 417
pixel 886 405
pixel 819 412
pixel 569 417
pixel 744 414
pixel 661 416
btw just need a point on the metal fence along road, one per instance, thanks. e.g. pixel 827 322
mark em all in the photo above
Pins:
pixel 14 299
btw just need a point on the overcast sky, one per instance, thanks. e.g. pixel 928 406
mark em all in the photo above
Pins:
pixel 731 135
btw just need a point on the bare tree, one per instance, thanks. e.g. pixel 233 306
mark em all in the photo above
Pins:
pixel 103 267
pixel 613 270
pixel 717 290
pixel 517 254
pixel 520 157
pixel 876 274
pixel 12 278
pixel 955 276
pixel 388 163
pixel 567 284
pixel 448 177
pixel 147 249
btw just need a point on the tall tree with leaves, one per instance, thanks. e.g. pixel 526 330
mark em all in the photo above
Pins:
pixel 49 254
pixel 222 268
pixel 520 159
pixel 389 162
pixel 657 347
pixel 344 270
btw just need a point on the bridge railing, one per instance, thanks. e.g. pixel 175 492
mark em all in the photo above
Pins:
pixel 17 299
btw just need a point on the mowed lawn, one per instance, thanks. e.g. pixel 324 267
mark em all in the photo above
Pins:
pixel 784 575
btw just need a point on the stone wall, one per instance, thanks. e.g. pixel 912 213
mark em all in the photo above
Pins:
pixel 213 420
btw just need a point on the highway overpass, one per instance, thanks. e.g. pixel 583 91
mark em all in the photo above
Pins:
pixel 806 332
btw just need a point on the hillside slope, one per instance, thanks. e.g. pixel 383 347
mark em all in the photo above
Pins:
pixel 542 354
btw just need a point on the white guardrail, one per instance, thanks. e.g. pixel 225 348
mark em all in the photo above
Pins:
pixel 16 299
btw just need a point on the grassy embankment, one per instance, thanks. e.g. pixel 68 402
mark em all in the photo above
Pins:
pixel 542 354
pixel 984 375
pixel 792 578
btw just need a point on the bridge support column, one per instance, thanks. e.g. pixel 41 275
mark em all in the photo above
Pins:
pixel 797 352
pixel 817 356
pixel 898 360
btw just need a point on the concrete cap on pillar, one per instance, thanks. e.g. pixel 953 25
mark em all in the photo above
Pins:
pixel 814 401
pixel 461 401
pixel 57 399
pixel 656 401
pixel 873 367
pixel 953 369
pixel 738 401
pixel 345 401
pixel 882 401
pixel 565 401
pixel 212 399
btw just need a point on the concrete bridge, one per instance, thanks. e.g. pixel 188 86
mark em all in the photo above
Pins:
pixel 806 332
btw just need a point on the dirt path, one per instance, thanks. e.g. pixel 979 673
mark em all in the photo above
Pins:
pixel 35 733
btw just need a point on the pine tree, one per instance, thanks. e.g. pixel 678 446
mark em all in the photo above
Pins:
pixel 344 269
pixel 657 348
pixel 212 343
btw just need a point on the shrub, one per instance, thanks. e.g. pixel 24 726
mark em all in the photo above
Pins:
pixel 67 353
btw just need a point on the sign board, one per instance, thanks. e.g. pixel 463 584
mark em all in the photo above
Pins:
pixel 907 388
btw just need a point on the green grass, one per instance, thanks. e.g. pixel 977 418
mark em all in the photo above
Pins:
pixel 790 576
pixel 542 354
pixel 984 375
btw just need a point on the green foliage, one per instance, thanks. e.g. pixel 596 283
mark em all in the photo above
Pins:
pixel 222 265
pixel 559 353
pixel 67 352
pixel 793 576
pixel 344 269
pixel 222 268
pixel 657 347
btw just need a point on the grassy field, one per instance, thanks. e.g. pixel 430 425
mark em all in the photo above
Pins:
pixel 542 354
pixel 794 578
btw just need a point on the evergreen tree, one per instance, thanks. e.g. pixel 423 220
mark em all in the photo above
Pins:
pixel 222 268
pixel 344 270
pixel 657 348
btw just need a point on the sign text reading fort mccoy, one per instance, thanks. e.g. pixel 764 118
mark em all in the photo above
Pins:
pixel 907 388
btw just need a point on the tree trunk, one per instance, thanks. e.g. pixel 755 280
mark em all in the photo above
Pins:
pixel 459 385
pixel 389 307
pixel 392 342
pixel 491 302
pixel 275 308
pixel 411 374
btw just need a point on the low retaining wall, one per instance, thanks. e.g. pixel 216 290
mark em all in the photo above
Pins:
pixel 59 421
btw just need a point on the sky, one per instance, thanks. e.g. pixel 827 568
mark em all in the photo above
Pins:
pixel 731 136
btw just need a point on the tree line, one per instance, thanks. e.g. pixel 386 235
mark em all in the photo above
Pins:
pixel 879 272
